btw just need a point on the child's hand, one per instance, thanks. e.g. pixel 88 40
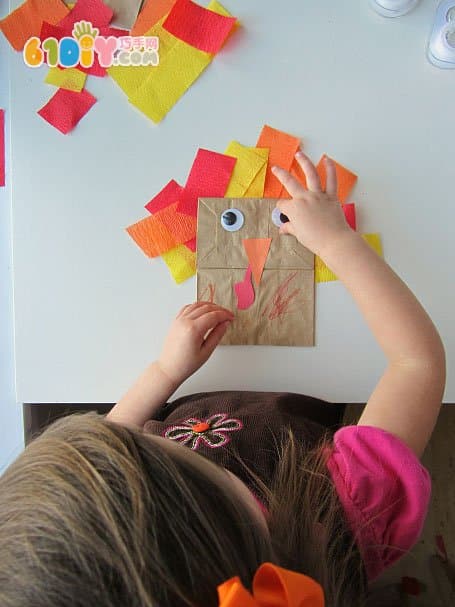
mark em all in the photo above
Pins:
pixel 194 334
pixel 316 218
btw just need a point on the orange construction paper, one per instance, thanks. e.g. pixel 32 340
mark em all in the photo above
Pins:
pixel 27 19
pixel 181 226
pixel 152 11
pixel 346 179
pixel 152 236
pixel 257 250
pixel 283 148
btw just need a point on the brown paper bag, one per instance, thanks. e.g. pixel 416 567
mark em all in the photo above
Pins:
pixel 282 313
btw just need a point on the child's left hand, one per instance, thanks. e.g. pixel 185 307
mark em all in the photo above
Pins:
pixel 193 336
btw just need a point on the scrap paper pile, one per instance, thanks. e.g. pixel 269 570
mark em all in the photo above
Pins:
pixel 189 36
pixel 240 172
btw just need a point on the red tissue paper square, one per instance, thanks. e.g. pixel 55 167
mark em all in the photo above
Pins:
pixel 209 176
pixel 165 197
pixel 349 213
pixel 198 26
pixel 66 108
pixel 94 11
pixel 54 31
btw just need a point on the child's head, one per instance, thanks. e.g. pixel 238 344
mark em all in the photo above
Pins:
pixel 95 514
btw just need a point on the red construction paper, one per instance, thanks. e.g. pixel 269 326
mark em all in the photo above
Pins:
pixel 346 179
pixel 209 176
pixel 66 108
pixel 151 12
pixel 50 30
pixel 165 197
pixel 349 213
pixel 257 250
pixel 198 26
pixel 152 236
pixel 26 20
pixel 55 31
pixel 107 31
pixel 283 148
pixel 2 147
pixel 244 291
pixel 191 244
pixel 181 226
pixel 95 70
pixel 94 11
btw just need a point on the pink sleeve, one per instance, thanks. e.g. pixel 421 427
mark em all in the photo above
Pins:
pixel 384 491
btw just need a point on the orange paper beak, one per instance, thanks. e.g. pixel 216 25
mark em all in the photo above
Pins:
pixel 257 250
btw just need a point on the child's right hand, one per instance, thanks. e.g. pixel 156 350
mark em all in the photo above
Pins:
pixel 316 218
pixel 193 336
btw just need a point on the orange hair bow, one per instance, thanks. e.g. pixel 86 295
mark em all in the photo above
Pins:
pixel 272 587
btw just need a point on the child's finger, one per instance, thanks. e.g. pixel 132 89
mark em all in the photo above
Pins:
pixel 215 336
pixel 185 309
pixel 206 308
pixel 286 207
pixel 189 309
pixel 331 182
pixel 286 228
pixel 312 178
pixel 290 183
pixel 209 320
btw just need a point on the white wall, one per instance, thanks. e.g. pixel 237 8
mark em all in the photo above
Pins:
pixel 11 426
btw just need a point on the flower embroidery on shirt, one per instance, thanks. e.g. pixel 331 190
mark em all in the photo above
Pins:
pixel 212 431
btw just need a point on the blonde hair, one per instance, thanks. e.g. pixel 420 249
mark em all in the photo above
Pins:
pixel 95 514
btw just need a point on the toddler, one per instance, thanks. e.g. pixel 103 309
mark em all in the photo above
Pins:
pixel 234 499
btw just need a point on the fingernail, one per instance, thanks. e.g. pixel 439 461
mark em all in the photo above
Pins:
pixel 274 168
pixel 299 153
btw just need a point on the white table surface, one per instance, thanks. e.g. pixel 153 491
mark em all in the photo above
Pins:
pixel 91 310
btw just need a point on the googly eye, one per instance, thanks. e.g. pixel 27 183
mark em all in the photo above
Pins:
pixel 278 217
pixel 232 220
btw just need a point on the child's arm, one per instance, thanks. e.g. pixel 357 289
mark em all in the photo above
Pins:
pixel 407 399
pixel 193 336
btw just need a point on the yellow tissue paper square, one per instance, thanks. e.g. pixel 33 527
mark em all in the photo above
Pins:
pixel 322 272
pixel 256 188
pixel 70 79
pixel 181 263
pixel 250 161
pixel 130 78
pixel 176 72
pixel 154 90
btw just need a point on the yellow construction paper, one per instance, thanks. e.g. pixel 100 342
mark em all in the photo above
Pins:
pixel 180 65
pixel 256 189
pixel 171 78
pixel 130 78
pixel 70 79
pixel 322 272
pixel 250 161
pixel 181 263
